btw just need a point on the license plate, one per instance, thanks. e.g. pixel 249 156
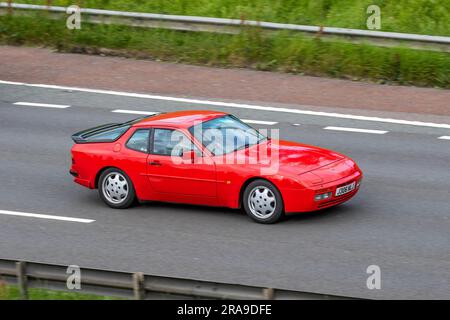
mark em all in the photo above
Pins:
pixel 345 189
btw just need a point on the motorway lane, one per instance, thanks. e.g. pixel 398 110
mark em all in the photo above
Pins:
pixel 119 100
pixel 399 221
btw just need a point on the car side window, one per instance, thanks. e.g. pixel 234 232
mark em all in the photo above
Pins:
pixel 168 142
pixel 139 140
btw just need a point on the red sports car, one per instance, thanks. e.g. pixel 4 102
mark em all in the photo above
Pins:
pixel 210 158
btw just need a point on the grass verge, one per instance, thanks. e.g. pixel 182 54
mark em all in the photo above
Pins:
pixel 12 293
pixel 251 49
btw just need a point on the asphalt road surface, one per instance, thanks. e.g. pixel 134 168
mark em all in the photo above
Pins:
pixel 399 221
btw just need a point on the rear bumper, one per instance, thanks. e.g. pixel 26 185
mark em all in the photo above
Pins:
pixel 73 173
pixel 84 182
pixel 303 200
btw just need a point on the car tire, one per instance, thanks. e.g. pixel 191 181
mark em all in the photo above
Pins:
pixel 263 202
pixel 116 189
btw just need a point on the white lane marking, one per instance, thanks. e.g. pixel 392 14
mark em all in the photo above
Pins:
pixel 444 138
pixel 269 123
pixel 356 130
pixel 44 216
pixel 296 124
pixel 134 112
pixel 237 105
pixel 44 105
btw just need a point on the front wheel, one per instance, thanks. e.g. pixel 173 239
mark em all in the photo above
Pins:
pixel 116 189
pixel 263 202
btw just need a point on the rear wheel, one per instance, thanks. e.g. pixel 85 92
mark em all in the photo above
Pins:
pixel 263 202
pixel 116 189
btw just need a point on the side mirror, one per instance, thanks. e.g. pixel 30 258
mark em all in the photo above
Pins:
pixel 189 156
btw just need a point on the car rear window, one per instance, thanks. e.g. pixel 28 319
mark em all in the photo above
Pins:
pixel 107 135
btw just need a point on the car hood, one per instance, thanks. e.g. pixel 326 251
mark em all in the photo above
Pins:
pixel 297 158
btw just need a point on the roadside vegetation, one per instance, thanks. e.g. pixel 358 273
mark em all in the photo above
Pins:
pixel 283 52
pixel 410 16
pixel 12 293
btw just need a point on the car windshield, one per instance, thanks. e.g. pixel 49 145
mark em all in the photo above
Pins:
pixel 225 134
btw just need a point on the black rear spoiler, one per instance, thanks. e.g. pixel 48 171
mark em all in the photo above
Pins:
pixel 81 137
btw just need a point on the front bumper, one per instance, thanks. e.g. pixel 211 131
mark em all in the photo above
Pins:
pixel 303 200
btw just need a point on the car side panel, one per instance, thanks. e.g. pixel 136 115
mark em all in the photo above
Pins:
pixel 231 178
pixel 90 159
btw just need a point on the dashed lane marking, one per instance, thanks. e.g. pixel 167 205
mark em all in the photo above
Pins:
pixel 134 112
pixel 44 216
pixel 42 105
pixel 269 123
pixel 356 130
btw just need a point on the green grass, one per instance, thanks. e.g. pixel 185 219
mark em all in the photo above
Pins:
pixel 410 16
pixel 251 49
pixel 13 293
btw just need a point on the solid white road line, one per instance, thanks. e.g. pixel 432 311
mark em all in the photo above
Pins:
pixel 444 138
pixel 44 216
pixel 134 112
pixel 44 105
pixel 237 105
pixel 269 123
pixel 356 130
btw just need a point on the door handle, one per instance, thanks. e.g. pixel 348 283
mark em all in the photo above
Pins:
pixel 155 163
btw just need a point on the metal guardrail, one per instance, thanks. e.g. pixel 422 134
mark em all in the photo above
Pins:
pixel 137 285
pixel 233 26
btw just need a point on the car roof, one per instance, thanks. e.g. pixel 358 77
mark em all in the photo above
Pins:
pixel 179 119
